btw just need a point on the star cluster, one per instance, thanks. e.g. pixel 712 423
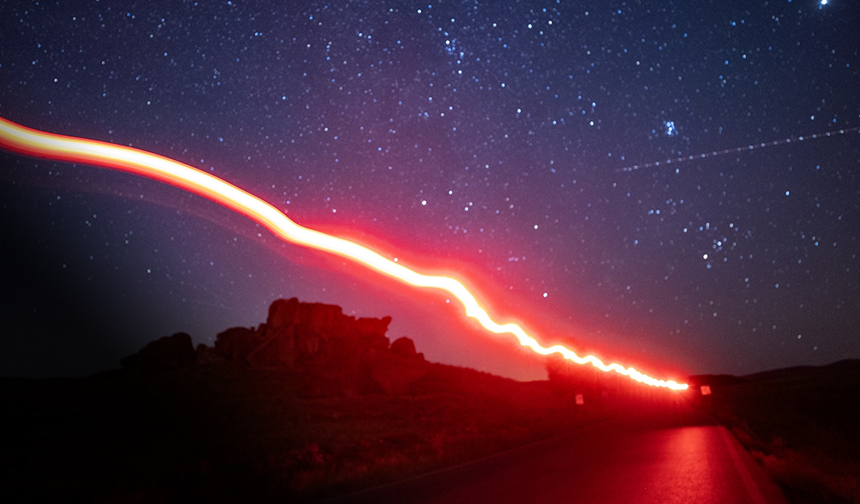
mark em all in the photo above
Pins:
pixel 486 139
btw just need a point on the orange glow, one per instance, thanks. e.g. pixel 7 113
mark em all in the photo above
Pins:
pixel 36 143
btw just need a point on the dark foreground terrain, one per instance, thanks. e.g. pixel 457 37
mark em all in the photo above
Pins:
pixel 310 404
pixel 231 433
pixel 313 404
pixel 802 424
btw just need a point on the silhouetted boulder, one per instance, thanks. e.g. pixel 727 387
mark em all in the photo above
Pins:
pixel 322 317
pixel 405 348
pixel 371 326
pixel 164 354
pixel 237 343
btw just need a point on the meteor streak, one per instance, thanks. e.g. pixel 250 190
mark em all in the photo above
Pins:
pixel 23 140
pixel 737 150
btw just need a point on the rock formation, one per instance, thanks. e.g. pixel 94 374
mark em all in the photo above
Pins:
pixel 405 348
pixel 332 353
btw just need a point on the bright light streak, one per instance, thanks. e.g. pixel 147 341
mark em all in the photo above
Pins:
pixel 36 143
pixel 738 150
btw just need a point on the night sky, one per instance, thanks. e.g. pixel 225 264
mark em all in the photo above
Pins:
pixel 488 140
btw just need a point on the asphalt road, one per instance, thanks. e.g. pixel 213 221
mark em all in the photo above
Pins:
pixel 623 460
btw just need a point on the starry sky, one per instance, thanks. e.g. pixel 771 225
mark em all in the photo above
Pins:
pixel 492 141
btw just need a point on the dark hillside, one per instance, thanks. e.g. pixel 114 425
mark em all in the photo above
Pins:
pixel 309 404
pixel 801 423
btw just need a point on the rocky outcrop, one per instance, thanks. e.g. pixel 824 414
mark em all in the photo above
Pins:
pixel 295 332
pixel 276 347
pixel 237 343
pixel 323 318
pixel 405 348
pixel 335 354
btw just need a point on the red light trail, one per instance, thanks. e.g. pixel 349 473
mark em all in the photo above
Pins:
pixel 23 140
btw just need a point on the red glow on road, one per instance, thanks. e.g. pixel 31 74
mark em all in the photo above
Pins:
pixel 36 143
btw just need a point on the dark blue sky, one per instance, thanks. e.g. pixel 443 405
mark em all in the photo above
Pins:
pixel 485 139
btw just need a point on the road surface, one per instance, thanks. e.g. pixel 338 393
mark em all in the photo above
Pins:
pixel 617 461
